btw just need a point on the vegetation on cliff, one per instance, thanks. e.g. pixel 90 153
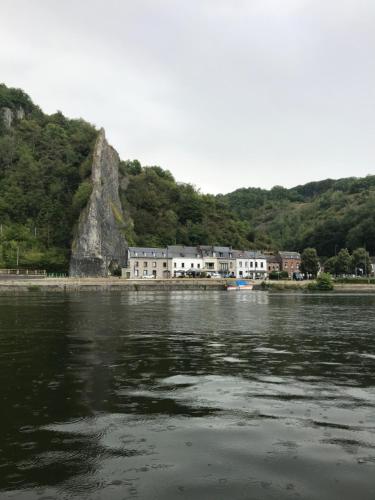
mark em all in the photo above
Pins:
pixel 166 212
pixel 44 169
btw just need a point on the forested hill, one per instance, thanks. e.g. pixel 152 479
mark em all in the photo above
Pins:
pixel 44 182
pixel 327 215
pixel 45 168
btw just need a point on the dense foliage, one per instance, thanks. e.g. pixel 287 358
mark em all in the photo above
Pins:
pixel 44 166
pixel 344 264
pixel 165 212
pixel 310 262
pixel 323 282
pixel 326 215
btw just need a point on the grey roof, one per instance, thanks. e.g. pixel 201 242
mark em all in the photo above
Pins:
pixel 149 252
pixel 247 254
pixel 222 249
pixel 290 255
pixel 273 258
pixel 238 254
pixel 183 251
pixel 254 254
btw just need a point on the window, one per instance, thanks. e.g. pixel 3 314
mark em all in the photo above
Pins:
pixel 137 264
pixel 261 264
pixel 199 266
pixel 240 263
pixel 154 264
pixel 191 265
pixel 175 264
pixel 251 264
pixel 246 263
pixel 183 264
pixel 145 264
pixel 256 264
pixel 145 272
pixel 164 264
pixel 136 272
pixel 231 265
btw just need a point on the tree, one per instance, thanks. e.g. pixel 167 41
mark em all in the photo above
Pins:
pixel 343 262
pixel 361 262
pixel 310 262
pixel 330 265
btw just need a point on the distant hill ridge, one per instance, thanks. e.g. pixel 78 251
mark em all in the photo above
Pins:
pixel 45 183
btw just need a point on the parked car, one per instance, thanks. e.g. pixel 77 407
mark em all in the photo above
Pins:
pixel 297 276
pixel 148 277
pixel 214 275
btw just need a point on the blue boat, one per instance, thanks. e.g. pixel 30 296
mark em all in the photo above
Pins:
pixel 240 285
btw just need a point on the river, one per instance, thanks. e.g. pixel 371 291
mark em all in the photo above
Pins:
pixel 191 395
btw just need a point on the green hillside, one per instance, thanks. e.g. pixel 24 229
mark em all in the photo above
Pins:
pixel 327 215
pixel 44 167
pixel 165 212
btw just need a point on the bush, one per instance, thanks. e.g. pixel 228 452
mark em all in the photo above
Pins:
pixel 323 282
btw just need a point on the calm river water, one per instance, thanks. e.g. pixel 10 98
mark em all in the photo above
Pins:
pixel 191 395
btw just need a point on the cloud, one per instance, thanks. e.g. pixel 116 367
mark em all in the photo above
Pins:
pixel 224 94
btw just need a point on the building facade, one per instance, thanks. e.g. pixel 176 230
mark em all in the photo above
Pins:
pixel 290 262
pixel 179 260
pixel 250 264
pixel 273 263
pixel 185 260
pixel 146 262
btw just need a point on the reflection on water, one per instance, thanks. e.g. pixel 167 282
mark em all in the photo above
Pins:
pixel 194 395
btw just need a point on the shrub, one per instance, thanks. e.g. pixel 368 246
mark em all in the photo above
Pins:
pixel 323 282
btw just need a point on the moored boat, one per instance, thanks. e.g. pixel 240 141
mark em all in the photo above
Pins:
pixel 240 285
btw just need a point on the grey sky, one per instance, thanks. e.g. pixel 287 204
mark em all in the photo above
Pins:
pixel 225 94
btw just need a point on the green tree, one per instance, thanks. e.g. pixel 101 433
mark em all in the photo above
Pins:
pixel 310 262
pixel 330 265
pixel 343 262
pixel 361 262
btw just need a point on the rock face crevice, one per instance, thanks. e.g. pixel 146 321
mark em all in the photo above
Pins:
pixel 99 247
pixel 8 116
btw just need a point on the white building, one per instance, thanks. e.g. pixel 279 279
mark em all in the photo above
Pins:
pixel 250 264
pixel 185 260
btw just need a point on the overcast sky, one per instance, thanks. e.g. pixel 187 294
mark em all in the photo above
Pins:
pixel 223 93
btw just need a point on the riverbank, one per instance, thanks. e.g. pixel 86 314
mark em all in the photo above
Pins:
pixel 112 284
pixel 302 286
pixel 97 284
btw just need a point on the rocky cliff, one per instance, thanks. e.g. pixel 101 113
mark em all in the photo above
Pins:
pixel 8 115
pixel 99 247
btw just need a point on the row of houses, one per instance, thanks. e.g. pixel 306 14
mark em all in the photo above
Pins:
pixel 214 261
